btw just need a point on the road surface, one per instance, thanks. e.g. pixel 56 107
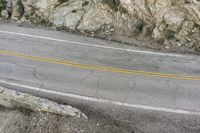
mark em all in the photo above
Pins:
pixel 99 71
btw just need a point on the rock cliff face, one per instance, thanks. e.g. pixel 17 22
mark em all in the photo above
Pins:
pixel 172 23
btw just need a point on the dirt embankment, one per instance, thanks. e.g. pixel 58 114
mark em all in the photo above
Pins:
pixel 26 121
pixel 161 24
pixel 24 113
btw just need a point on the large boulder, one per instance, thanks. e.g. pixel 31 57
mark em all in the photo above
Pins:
pixel 68 14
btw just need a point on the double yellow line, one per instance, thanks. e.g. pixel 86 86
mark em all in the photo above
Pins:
pixel 99 68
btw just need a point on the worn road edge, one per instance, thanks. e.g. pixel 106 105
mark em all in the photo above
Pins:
pixel 49 94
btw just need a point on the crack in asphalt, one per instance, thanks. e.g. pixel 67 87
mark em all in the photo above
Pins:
pixel 173 91
pixel 86 76
pixel 39 79
pixel 130 91
pixel 98 87
pixel 30 68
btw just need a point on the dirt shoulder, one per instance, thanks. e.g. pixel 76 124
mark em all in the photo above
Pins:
pixel 24 113
pixel 26 121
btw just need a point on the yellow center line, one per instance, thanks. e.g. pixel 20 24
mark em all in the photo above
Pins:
pixel 99 68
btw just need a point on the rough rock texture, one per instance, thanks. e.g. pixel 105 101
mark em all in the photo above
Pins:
pixel 12 99
pixel 25 121
pixel 172 23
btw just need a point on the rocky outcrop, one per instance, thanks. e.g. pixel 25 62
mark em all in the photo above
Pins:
pixel 174 24
pixel 13 99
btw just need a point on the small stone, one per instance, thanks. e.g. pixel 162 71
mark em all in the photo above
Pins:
pixel 179 44
pixel 167 47
pixel 4 14
pixel 158 33
pixel 112 30
pixel 190 44
pixel 23 19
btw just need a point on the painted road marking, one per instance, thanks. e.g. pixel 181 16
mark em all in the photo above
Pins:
pixel 92 45
pixel 99 68
pixel 98 100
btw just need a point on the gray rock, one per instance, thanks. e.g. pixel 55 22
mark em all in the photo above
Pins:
pixel 4 14
pixel 68 16
pixel 17 9
pixel 12 99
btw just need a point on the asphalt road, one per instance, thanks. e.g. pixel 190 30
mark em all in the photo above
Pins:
pixel 97 70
